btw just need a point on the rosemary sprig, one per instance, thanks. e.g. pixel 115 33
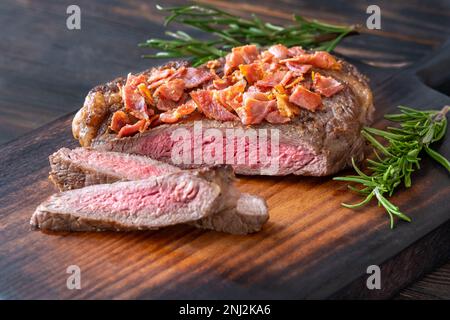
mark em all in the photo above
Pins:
pixel 396 161
pixel 229 31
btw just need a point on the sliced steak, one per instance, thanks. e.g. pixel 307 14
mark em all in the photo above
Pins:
pixel 248 216
pixel 131 205
pixel 80 167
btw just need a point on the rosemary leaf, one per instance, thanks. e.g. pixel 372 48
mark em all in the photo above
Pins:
pixel 400 156
pixel 229 31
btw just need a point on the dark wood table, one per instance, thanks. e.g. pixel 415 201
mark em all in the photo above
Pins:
pixel 46 69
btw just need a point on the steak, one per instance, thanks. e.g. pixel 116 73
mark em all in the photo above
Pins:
pixel 130 205
pixel 314 129
pixel 235 213
pixel 81 167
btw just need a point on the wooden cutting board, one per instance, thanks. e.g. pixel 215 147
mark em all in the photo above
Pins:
pixel 311 247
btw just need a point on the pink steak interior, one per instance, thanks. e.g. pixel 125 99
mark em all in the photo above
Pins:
pixel 124 165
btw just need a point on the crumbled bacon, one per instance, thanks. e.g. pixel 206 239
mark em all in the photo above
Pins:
pixel 194 77
pixel 295 51
pixel 256 107
pixel 160 74
pixel 266 57
pixel 298 68
pixel 287 77
pixel 326 86
pixel 119 120
pixel 252 72
pixel 272 85
pixel 172 90
pixel 130 129
pixel 178 113
pixel 320 59
pixel 213 64
pixel 279 51
pixel 305 98
pixel 286 108
pixel 223 83
pixel 133 101
pixel 271 79
pixel 165 104
pixel 145 92
pixel 231 97
pixel 210 107
pixel 240 55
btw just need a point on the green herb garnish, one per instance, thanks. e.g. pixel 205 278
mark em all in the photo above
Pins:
pixel 396 161
pixel 230 31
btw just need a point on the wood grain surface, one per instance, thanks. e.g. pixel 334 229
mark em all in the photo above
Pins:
pixel 311 247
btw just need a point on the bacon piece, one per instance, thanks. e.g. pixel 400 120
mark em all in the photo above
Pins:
pixel 256 107
pixel 279 51
pixel 178 74
pixel 266 57
pixel 272 79
pixel 210 107
pixel 296 51
pixel 176 114
pixel 145 92
pixel 299 68
pixel 119 120
pixel 240 55
pixel 252 72
pixel 326 86
pixel 133 101
pixel 295 82
pixel 231 97
pixel 320 59
pixel 160 74
pixel 286 108
pixel 167 76
pixel 172 90
pixel 223 83
pixel 276 117
pixel 195 77
pixel 168 104
pixel 213 64
pixel 130 129
pixel 287 77
pixel 305 98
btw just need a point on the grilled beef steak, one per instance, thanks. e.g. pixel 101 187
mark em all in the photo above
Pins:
pixel 315 103
pixel 131 205
pixel 235 213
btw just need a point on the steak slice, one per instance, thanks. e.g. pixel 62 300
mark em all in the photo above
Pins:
pixel 235 213
pixel 130 205
pixel 248 216
pixel 81 167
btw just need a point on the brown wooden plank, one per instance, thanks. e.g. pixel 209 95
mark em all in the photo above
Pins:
pixel 44 81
